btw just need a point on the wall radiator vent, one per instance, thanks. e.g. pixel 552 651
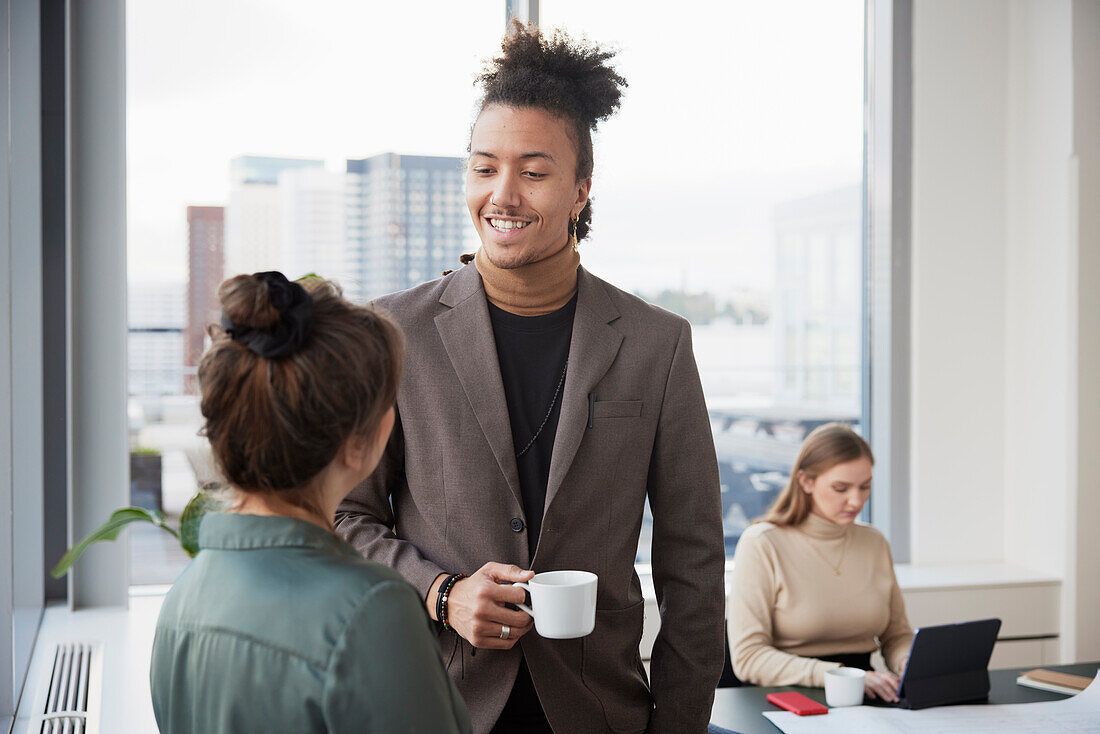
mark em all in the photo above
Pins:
pixel 76 688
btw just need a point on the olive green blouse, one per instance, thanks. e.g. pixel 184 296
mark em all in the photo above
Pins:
pixel 280 626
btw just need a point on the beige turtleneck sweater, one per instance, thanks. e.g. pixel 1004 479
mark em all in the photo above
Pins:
pixel 787 605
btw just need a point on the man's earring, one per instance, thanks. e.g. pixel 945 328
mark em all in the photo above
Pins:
pixel 573 230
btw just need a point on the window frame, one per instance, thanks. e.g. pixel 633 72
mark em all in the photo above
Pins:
pixel 887 231
pixel 21 370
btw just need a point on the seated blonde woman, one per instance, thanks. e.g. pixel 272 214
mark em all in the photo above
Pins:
pixel 812 588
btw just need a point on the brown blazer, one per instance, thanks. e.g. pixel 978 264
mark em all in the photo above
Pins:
pixel 446 496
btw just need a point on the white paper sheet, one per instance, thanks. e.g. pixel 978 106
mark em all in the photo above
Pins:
pixel 1076 715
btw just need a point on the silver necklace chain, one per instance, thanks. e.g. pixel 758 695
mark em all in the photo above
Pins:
pixel 549 410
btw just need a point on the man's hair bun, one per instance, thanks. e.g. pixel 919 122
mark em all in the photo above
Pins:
pixel 553 72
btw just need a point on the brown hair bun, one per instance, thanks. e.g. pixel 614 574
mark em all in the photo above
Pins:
pixel 255 298
pixel 246 300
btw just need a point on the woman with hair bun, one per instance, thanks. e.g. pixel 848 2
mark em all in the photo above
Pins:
pixel 278 625
pixel 813 589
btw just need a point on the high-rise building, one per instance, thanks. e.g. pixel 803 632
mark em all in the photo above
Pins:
pixel 205 265
pixel 254 227
pixel 818 299
pixel 155 343
pixel 406 220
pixel 313 206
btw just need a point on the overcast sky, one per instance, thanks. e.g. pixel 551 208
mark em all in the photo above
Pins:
pixel 732 107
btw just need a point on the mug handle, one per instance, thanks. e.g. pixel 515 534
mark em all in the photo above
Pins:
pixel 524 607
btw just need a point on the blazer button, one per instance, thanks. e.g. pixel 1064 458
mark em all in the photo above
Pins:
pixel 516 524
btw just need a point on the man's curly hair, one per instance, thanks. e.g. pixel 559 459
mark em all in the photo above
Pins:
pixel 568 78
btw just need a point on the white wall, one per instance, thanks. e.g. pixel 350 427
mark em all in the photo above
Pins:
pixel 960 98
pixel 1006 316
pixel 1082 604
pixel 1039 355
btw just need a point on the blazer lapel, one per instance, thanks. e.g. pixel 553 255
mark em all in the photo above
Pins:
pixel 592 351
pixel 467 336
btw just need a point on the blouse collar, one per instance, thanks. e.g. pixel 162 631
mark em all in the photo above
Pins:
pixel 233 531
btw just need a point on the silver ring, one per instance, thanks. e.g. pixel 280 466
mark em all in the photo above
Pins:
pixel 505 630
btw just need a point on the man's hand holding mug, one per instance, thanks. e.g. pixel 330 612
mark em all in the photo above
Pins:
pixel 476 606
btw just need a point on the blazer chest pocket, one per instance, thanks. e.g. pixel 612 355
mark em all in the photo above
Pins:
pixel 616 409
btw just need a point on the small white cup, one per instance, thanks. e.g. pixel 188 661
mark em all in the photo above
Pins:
pixel 563 603
pixel 844 686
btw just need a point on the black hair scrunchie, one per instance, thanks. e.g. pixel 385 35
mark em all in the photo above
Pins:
pixel 295 309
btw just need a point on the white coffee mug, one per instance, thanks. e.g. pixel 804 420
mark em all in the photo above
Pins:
pixel 844 686
pixel 563 603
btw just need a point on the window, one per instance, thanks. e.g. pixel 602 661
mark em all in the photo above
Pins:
pixel 739 148
pixel 729 189
pixel 279 139
pixel 737 155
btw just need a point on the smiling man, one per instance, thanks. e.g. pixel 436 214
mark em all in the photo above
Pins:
pixel 539 408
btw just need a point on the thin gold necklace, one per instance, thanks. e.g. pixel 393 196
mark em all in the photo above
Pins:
pixel 843 551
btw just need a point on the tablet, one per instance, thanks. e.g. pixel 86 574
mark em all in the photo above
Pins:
pixel 948 663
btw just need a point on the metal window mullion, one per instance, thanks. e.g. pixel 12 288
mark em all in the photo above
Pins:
pixel 96 122
pixel 887 265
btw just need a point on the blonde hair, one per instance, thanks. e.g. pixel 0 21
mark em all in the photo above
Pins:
pixel 825 447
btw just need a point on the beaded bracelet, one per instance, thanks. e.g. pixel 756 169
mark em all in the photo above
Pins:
pixel 441 599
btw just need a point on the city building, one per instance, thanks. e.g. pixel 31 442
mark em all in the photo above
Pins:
pixel 406 221
pixel 205 266
pixel 155 343
pixel 312 209
pixel 254 230
pixel 818 300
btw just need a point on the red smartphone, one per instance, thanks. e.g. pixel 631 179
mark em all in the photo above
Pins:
pixel 797 703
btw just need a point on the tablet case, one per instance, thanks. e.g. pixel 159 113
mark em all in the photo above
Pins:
pixel 949 664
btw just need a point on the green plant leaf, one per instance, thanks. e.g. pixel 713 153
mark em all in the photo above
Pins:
pixel 109 531
pixel 203 502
